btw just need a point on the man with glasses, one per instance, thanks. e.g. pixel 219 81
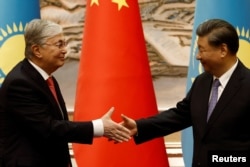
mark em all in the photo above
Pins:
pixel 35 129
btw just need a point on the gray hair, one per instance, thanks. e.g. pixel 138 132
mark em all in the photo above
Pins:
pixel 219 31
pixel 38 31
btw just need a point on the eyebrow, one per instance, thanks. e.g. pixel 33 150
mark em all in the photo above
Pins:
pixel 61 40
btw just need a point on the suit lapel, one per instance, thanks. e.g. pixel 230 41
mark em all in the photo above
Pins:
pixel 34 75
pixel 39 80
pixel 204 102
pixel 60 100
pixel 227 95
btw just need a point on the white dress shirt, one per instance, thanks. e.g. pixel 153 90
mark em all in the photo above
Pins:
pixel 225 78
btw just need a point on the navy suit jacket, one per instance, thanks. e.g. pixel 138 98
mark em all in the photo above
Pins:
pixel 228 128
pixel 33 131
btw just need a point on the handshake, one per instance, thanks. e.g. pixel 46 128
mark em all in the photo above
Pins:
pixel 118 132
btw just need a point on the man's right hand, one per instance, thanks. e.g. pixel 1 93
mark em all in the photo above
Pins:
pixel 114 131
pixel 130 124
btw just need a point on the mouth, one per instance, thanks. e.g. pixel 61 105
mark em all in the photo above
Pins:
pixel 62 57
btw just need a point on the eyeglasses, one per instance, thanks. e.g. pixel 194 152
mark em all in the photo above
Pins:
pixel 60 44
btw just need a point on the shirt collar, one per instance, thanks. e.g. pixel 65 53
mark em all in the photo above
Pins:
pixel 225 77
pixel 40 70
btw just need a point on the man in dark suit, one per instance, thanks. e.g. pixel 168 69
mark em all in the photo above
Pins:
pixel 224 134
pixel 35 129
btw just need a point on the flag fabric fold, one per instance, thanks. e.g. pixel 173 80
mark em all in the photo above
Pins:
pixel 14 14
pixel 211 9
pixel 114 71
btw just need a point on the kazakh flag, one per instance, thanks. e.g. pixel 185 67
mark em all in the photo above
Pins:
pixel 14 14
pixel 235 12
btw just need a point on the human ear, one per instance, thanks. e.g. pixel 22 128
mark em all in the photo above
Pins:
pixel 224 49
pixel 36 50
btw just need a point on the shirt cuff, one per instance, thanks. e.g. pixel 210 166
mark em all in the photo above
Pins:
pixel 98 128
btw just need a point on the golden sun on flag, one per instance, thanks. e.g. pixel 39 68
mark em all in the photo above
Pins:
pixel 244 49
pixel 12 48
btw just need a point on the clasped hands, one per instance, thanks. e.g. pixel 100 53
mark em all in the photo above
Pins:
pixel 118 132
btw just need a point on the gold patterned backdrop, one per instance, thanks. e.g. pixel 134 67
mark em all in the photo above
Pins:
pixel 167 27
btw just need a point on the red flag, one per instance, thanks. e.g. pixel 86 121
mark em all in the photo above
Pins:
pixel 114 71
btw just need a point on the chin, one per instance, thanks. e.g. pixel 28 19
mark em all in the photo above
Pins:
pixel 60 64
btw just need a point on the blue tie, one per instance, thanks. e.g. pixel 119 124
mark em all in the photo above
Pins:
pixel 214 97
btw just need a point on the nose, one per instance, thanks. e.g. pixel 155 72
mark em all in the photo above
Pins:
pixel 198 56
pixel 64 45
pixel 64 51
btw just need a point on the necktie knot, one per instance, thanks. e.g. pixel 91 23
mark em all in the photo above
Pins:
pixel 216 83
pixel 50 81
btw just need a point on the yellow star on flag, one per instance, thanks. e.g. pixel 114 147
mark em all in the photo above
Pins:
pixel 120 3
pixel 94 2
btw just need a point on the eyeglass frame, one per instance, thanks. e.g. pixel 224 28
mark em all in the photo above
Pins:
pixel 60 44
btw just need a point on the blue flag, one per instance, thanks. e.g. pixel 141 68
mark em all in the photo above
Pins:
pixel 235 12
pixel 14 15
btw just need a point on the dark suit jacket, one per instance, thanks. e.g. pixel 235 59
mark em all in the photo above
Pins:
pixel 227 128
pixel 33 132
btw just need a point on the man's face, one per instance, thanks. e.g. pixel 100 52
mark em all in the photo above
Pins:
pixel 209 56
pixel 53 53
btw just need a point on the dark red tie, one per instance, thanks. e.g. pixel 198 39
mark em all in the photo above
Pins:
pixel 53 91
pixel 52 87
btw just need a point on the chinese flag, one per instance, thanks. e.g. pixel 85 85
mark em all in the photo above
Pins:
pixel 114 71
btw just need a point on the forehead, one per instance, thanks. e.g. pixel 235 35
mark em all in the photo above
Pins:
pixel 202 41
pixel 56 38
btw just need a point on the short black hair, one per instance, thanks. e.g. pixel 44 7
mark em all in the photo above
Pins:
pixel 219 31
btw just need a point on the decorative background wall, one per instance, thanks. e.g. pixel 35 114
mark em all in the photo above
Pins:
pixel 167 28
